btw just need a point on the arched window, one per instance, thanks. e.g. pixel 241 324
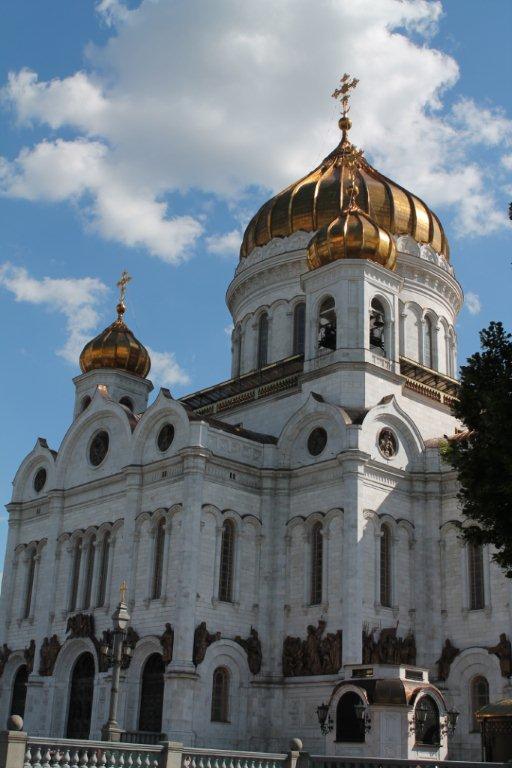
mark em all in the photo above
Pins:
pixel 89 571
pixel 377 327
pixel 263 340
pixel 86 401
pixel 29 589
pixel 476 576
pixel 75 575
pixel 327 324
pixel 220 696
pixel 385 566
pixel 127 402
pixel 80 698
pixel 158 559
pixel 299 328
pixel 19 691
pixel 450 353
pixel 426 722
pixel 349 727
pixel 237 352
pixel 428 343
pixel 227 553
pixel 316 564
pixel 479 697
pixel 152 694
pixel 102 582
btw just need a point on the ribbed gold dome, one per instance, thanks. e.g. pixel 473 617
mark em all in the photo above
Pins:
pixel 320 197
pixel 352 235
pixel 116 346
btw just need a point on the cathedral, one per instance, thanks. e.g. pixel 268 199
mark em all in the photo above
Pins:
pixel 289 537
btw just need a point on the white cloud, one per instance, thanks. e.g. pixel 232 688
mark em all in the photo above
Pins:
pixel 75 298
pixel 165 370
pixel 473 303
pixel 225 245
pixel 506 161
pixel 235 96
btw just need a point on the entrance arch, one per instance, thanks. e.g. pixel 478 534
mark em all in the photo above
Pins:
pixel 80 698
pixel 152 694
pixel 19 691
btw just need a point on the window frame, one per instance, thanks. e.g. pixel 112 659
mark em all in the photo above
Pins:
pixel 219 710
pixel 316 563
pixel 386 566
pixel 263 336
pixel 476 577
pixel 158 559
pixel 473 706
pixel 299 328
pixel 227 562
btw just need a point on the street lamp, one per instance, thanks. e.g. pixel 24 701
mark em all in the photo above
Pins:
pixel 324 718
pixel 120 619
pixel 451 721
pixel 363 716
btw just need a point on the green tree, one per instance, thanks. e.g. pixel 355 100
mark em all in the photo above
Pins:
pixel 482 455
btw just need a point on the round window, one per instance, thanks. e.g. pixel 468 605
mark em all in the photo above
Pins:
pixel 40 480
pixel 387 443
pixel 98 448
pixel 317 441
pixel 165 437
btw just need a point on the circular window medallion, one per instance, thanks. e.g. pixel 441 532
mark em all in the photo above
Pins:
pixel 40 480
pixel 388 445
pixel 317 441
pixel 98 448
pixel 165 437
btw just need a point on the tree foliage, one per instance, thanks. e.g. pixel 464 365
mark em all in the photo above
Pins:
pixel 482 455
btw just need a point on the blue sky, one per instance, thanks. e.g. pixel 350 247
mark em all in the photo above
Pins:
pixel 144 135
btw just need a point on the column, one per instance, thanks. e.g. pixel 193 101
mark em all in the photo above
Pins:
pixel 10 569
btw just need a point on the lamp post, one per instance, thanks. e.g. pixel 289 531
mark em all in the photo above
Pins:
pixel 120 619
pixel 324 718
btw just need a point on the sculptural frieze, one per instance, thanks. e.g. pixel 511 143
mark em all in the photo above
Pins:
pixel 167 643
pixel 252 647
pixel 202 641
pixel 80 625
pixel 48 653
pixel 503 650
pixel 29 654
pixel 388 648
pixel 5 652
pixel 444 662
pixel 317 654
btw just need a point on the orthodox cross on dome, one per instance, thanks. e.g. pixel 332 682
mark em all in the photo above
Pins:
pixel 350 154
pixel 121 284
pixel 342 92
pixel 124 586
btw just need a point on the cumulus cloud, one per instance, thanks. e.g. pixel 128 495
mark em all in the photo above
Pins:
pixel 165 370
pixel 227 244
pixel 75 298
pixel 473 303
pixel 227 97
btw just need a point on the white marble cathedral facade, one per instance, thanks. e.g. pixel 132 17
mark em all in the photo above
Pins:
pixel 308 488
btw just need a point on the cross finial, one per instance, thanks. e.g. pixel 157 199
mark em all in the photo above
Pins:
pixel 122 591
pixel 342 94
pixel 121 284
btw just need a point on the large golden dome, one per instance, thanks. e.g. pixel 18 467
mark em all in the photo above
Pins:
pixel 319 198
pixel 116 346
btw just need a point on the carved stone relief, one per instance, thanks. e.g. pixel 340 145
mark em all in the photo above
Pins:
pixel 318 654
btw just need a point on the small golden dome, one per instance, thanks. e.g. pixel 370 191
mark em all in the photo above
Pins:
pixel 352 235
pixel 116 346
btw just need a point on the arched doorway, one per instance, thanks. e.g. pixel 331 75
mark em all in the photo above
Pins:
pixel 19 691
pixel 80 698
pixel 152 695
pixel 348 726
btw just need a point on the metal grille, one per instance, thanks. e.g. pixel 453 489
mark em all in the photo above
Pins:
pixel 316 564
pixel 263 340
pixel 385 567
pixel 89 570
pixel 476 577
pixel 220 695
pixel 227 551
pixel 102 585
pixel 159 556
pixel 299 328
pixel 479 698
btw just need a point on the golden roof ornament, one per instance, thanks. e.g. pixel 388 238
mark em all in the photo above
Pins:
pixel 342 94
pixel 121 284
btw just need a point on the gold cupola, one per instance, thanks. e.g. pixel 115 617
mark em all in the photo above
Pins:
pixel 322 196
pixel 116 346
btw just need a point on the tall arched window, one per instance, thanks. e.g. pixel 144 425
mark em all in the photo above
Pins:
pixel 479 697
pixel 377 327
pixel 316 564
pixel 227 554
pixel 102 582
pixel 349 727
pixel 428 343
pixel 426 727
pixel 299 328
pixel 29 589
pixel 75 574
pixel 19 691
pixel 152 694
pixel 385 566
pixel 89 571
pixel 237 352
pixel 80 698
pixel 220 695
pixel 327 324
pixel 158 560
pixel 263 340
pixel 476 576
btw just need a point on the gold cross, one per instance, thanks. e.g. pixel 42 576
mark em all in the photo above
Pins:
pixel 121 284
pixel 122 591
pixel 342 92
